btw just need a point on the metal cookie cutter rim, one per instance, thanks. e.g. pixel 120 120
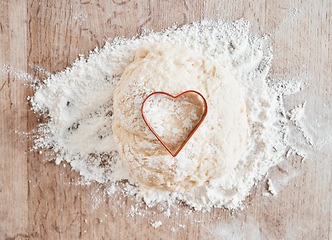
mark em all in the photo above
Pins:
pixel 191 133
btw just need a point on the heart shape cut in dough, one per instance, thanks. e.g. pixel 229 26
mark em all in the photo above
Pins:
pixel 174 119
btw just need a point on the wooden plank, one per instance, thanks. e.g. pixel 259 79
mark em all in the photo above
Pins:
pixel 63 211
pixel 38 200
pixel 299 36
pixel 13 114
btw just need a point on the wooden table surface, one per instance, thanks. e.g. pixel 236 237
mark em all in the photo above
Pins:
pixel 39 200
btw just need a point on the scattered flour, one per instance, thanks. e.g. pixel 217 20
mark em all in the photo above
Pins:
pixel 156 224
pixel 78 104
pixel 296 116
pixel 237 230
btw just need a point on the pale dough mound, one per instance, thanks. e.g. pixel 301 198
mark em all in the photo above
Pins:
pixel 215 148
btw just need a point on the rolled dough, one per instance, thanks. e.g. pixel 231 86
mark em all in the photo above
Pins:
pixel 215 148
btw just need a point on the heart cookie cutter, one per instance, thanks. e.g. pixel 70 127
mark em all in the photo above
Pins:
pixel 193 130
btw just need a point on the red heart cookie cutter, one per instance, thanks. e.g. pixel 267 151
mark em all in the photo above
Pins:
pixel 190 134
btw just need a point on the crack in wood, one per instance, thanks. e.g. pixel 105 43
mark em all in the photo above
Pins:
pixel 3 85
pixel 21 235
pixel 120 3
pixel 145 22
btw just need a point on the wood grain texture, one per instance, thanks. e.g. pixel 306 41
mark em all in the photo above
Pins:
pixel 13 115
pixel 37 199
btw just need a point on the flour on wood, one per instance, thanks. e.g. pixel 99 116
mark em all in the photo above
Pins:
pixel 79 104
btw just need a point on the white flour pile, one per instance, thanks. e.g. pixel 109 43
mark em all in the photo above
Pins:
pixel 79 104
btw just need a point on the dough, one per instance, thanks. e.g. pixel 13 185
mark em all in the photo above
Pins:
pixel 215 148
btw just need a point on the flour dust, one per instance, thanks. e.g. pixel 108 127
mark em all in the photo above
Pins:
pixel 78 103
